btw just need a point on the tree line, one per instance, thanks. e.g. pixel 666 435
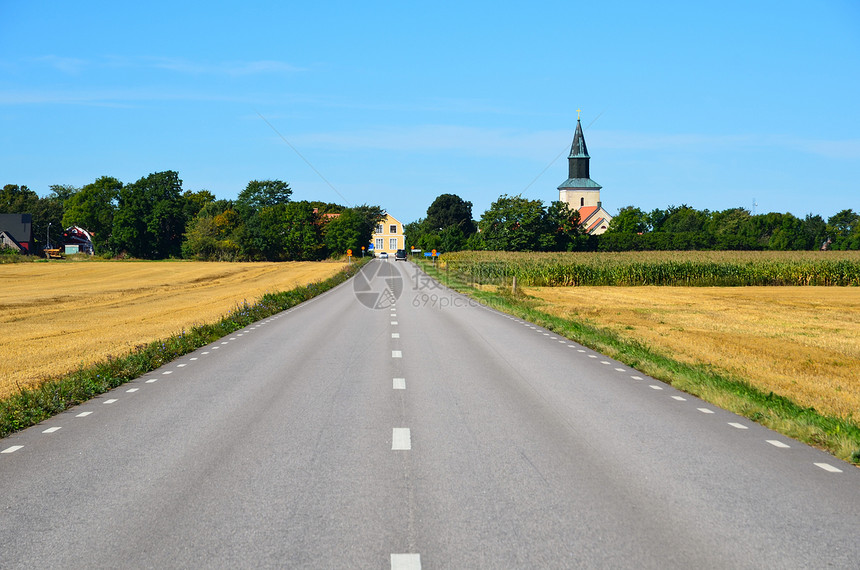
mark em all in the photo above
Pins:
pixel 515 223
pixel 153 218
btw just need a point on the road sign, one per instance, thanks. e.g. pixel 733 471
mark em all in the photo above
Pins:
pixel 349 252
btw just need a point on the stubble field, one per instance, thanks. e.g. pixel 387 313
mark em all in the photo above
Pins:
pixel 799 342
pixel 55 317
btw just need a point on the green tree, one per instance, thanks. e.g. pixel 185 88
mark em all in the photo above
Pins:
pixel 346 232
pixel 303 234
pixel 814 231
pixel 93 208
pixel 684 219
pixel 844 229
pixel 62 192
pixel 149 221
pixel 352 229
pixel 211 234
pixel 193 202
pixel 450 210
pixel 16 199
pixel 513 223
pixel 630 220
pixel 259 194
pixel 257 237
pixel 561 227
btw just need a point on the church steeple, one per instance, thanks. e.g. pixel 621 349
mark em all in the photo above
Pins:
pixel 579 191
pixel 578 159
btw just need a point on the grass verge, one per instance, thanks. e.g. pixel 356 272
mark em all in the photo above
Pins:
pixel 33 405
pixel 841 437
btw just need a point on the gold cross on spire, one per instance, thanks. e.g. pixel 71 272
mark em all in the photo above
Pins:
pixel 578 111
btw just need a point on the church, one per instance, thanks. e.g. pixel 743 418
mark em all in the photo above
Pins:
pixel 579 191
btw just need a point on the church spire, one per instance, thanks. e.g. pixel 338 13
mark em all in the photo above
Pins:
pixel 578 159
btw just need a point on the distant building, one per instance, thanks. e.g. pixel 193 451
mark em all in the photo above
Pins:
pixel 579 191
pixel 17 230
pixel 388 236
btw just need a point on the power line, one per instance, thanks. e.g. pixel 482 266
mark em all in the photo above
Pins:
pixel 295 150
pixel 559 155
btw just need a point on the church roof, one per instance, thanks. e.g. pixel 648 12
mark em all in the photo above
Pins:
pixel 580 183
pixel 578 149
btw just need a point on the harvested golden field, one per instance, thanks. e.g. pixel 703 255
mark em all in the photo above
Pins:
pixel 799 342
pixel 57 316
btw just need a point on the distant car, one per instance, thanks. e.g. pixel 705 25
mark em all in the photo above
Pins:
pixel 400 255
pixel 383 255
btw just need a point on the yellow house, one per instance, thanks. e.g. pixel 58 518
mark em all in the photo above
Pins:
pixel 388 236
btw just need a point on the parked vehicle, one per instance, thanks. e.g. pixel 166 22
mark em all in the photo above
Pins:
pixel 400 255
pixel 383 255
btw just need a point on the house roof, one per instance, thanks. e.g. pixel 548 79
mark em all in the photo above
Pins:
pixel 8 240
pixel 596 224
pixel 578 183
pixel 577 149
pixel 586 212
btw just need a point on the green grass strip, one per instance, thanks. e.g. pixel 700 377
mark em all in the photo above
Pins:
pixel 33 405
pixel 841 437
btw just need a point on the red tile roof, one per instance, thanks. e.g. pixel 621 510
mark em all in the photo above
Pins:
pixel 585 212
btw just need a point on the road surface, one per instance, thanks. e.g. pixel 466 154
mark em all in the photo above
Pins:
pixel 391 423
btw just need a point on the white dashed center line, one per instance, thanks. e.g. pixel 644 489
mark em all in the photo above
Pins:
pixel 828 467
pixel 83 414
pixel 111 401
pixel 399 384
pixel 705 410
pixel 779 444
pixel 401 439
pixel 636 377
pixel 52 429
pixel 679 398
pixel 395 335
pixel 405 562
pixel 132 390
pixel 393 322
pixel 167 372
pixel 737 425
pixel 12 449
pixel 151 380
pixel 396 354
pixel 655 387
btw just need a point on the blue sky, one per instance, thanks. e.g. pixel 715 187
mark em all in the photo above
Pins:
pixel 710 104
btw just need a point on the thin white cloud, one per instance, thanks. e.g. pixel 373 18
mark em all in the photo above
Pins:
pixel 439 138
pixel 69 65
pixel 106 98
pixel 846 149
pixel 229 68
pixel 543 145
pixel 72 65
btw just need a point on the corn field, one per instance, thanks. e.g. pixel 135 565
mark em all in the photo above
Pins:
pixel 678 268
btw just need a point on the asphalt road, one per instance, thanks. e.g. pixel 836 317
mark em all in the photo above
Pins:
pixel 391 423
